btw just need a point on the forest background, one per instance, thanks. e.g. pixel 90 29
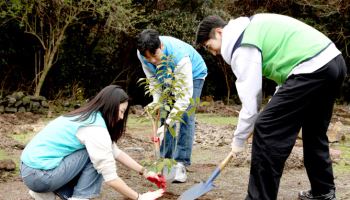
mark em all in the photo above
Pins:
pixel 73 48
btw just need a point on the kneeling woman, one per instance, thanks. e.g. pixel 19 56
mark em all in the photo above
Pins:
pixel 75 152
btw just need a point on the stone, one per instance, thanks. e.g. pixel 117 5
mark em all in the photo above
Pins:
pixel 35 106
pixel 21 109
pixel 45 104
pixel 7 164
pixel 11 100
pixel 10 109
pixel 26 100
pixel 18 95
pixel 18 103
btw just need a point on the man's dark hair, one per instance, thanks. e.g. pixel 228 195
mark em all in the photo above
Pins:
pixel 206 27
pixel 148 40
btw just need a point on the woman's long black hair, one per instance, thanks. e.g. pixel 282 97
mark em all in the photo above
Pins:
pixel 107 101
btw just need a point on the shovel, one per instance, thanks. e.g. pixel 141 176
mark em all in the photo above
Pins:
pixel 203 187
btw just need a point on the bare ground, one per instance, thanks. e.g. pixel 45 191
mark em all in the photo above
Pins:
pixel 230 184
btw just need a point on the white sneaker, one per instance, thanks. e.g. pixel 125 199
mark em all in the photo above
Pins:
pixel 169 175
pixel 180 173
pixel 72 198
pixel 177 173
pixel 42 196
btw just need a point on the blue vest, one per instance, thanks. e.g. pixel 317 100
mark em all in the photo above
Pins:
pixel 56 141
pixel 178 49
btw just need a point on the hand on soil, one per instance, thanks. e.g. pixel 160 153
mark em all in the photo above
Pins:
pixel 151 195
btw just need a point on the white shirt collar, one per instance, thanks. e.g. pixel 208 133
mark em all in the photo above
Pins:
pixel 230 35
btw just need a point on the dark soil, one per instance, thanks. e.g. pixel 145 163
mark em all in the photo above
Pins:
pixel 230 184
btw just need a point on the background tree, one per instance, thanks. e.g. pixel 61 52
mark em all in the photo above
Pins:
pixel 99 49
pixel 47 21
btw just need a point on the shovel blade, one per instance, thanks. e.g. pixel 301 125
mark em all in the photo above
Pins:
pixel 196 191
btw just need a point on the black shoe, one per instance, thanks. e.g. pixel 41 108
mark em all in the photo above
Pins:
pixel 307 195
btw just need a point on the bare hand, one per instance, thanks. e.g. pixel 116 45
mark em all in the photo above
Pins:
pixel 151 195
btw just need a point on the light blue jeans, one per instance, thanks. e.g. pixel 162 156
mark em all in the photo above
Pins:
pixel 74 177
pixel 183 151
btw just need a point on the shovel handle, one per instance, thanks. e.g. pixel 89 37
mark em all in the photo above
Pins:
pixel 224 162
pixel 219 168
pixel 229 157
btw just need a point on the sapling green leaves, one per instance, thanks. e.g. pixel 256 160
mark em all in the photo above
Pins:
pixel 168 85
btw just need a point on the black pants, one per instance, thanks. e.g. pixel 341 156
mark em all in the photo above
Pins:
pixel 303 101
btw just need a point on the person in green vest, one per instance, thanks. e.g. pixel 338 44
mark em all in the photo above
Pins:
pixel 309 71
pixel 75 153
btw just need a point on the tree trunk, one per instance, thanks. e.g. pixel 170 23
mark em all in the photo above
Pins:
pixel 50 54
pixel 47 66
pixel 227 81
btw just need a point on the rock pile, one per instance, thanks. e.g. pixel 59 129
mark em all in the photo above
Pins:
pixel 19 102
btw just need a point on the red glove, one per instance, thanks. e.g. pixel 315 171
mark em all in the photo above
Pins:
pixel 155 139
pixel 157 179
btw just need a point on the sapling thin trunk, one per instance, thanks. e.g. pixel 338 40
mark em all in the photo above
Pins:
pixel 155 141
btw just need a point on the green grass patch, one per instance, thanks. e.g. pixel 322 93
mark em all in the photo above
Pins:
pixel 23 138
pixel 214 119
pixel 210 119
pixel 3 155
pixel 343 166
pixel 134 121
